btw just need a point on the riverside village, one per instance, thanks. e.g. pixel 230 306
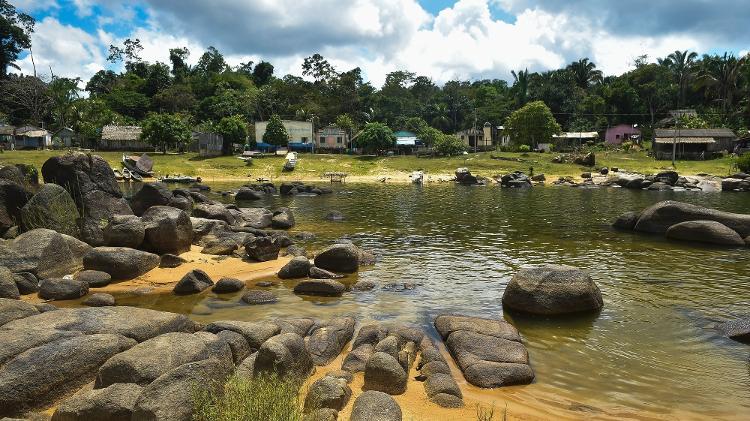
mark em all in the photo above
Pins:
pixel 381 210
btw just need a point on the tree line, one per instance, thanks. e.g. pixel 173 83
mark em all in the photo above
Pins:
pixel 214 96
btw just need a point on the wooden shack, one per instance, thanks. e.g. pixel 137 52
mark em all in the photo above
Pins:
pixel 123 138
pixel 694 144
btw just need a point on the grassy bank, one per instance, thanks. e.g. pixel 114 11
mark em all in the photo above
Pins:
pixel 363 168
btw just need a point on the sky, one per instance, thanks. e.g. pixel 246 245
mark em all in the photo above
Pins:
pixel 441 39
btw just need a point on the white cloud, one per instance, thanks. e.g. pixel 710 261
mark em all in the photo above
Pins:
pixel 29 6
pixel 70 51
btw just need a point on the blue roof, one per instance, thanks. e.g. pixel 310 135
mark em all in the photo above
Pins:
pixel 405 133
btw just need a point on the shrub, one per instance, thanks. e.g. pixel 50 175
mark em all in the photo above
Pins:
pixel 449 145
pixel 267 397
pixel 626 146
pixel 524 148
pixel 743 163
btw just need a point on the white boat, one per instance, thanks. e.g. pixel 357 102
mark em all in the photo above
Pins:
pixel 118 175
pixel 417 177
pixel 291 161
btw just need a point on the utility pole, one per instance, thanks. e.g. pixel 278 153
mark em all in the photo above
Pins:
pixel 674 143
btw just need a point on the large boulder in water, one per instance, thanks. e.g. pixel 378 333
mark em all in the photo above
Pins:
pixel 552 289
pixel 262 249
pixel 298 267
pixel 705 232
pixel 339 258
pixel 168 230
pixel 43 252
pixel 245 194
pixel 193 282
pixel 13 197
pixel 124 231
pixel 659 217
pixel 150 194
pixel 626 221
pixel 259 218
pixel 51 208
pixel 120 262
pixel 283 218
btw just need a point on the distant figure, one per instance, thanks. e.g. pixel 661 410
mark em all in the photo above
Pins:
pixel 531 171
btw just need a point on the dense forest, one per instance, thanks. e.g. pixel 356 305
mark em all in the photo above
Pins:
pixel 212 95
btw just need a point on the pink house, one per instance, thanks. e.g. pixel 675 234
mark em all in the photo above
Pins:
pixel 621 133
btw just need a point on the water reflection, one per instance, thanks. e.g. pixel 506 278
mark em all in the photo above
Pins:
pixel 652 347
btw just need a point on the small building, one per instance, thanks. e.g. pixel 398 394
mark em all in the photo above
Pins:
pixel 7 136
pixel 692 143
pixel 300 134
pixel 332 138
pixel 31 137
pixel 407 142
pixel 567 141
pixel 123 138
pixel 67 136
pixel 622 133
pixel 476 139
pixel 207 144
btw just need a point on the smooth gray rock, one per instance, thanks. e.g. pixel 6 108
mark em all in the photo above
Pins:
pixel 711 232
pixel 659 217
pixel 259 218
pixel 442 383
pixel 262 249
pixel 255 333
pixel 362 286
pixel 370 334
pixel 8 287
pixel 26 282
pixel 256 296
pixel 552 290
pixel 245 194
pixel 342 258
pixel 327 392
pixel 228 285
pixel 94 278
pixel 124 231
pixel 328 340
pixel 132 322
pixel 283 218
pixel 345 375
pixel 489 374
pixel 626 221
pixel 171 396
pixel 52 208
pixel 325 287
pixel 171 261
pixel 385 374
pixel 99 299
pixel 193 282
pixel 13 197
pixel 150 194
pixel 373 405
pixel 214 211
pixel 12 309
pixel 120 262
pixel 168 230
pixel 224 246
pixel 434 367
pixel 246 368
pixel 469 348
pixel 146 361
pixel 62 289
pixel 356 360
pixel 449 323
pixel 113 403
pixel 298 267
pixel 318 273
pixel 207 227
pixel 237 344
pixel 299 325
pixel 43 252
pixel 389 345
pixel 17 341
pixel 284 355
pixel 35 378
pixel 738 329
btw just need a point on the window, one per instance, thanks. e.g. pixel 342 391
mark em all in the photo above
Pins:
pixel 617 136
pixel 304 139
pixel 339 140
pixel 322 140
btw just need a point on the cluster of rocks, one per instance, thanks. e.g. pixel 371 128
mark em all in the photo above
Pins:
pixel 737 183
pixel 516 179
pixel 466 178
pixel 298 187
pixel 686 222
pixel 586 160
pixel 665 180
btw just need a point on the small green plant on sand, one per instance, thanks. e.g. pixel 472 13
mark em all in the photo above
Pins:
pixel 488 413
pixel 267 397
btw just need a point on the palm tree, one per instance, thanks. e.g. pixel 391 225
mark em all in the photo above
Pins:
pixel 521 85
pixel 721 76
pixel 682 65
pixel 585 73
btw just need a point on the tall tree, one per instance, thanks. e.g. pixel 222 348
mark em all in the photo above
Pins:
pixel 262 73
pixel 682 65
pixel 276 133
pixel 532 124
pixel 520 86
pixel 721 75
pixel 179 57
pixel 165 131
pixel 585 73
pixel 15 36
pixel 64 93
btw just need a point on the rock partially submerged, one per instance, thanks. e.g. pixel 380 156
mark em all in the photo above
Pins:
pixel 488 352
pixel 552 290
pixel 705 232
pixel 120 262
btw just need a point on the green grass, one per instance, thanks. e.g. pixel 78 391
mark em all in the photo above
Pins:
pixel 268 398
pixel 312 167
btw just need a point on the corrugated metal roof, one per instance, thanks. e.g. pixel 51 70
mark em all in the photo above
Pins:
pixel 121 133
pixel 685 140
pixel 694 133
pixel 577 135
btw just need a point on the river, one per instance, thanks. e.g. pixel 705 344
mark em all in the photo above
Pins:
pixel 652 352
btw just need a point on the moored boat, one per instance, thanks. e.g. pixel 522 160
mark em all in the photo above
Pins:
pixel 141 165
pixel 291 161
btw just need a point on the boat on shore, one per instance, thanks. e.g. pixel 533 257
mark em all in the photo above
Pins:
pixel 181 179
pixel 290 161
pixel 141 165
pixel 417 177
pixel 118 175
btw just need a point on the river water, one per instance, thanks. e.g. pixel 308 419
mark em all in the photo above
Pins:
pixel 652 352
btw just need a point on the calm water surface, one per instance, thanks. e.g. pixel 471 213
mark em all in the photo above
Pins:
pixel 652 349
